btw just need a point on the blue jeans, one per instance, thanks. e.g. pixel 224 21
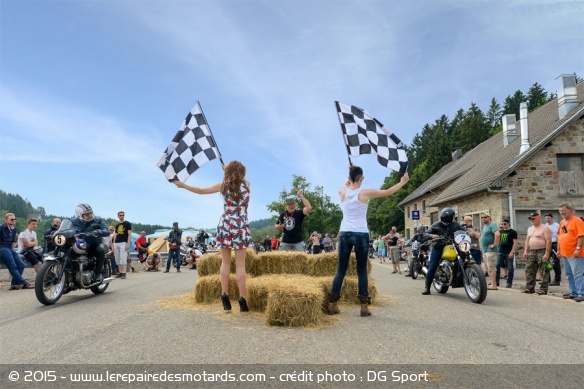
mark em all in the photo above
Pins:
pixel 575 275
pixel 503 258
pixel 14 264
pixel 435 256
pixel 347 241
pixel 173 253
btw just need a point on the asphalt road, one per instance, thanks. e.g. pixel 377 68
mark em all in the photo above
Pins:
pixel 147 319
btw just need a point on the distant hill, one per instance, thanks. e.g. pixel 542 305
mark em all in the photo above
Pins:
pixel 262 223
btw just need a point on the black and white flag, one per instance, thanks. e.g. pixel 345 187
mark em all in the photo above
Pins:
pixel 363 134
pixel 192 147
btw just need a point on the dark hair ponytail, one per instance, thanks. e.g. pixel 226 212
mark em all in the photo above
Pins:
pixel 355 173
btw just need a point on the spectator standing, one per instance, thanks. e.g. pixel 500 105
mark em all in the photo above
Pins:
pixel 49 245
pixel 571 249
pixel 267 243
pixel 538 246
pixel 233 231
pixel 393 243
pixel 290 223
pixel 381 249
pixel 110 254
pixel 555 260
pixel 507 249
pixel 490 245
pixel 174 241
pixel 315 240
pixel 475 247
pixel 11 259
pixel 202 237
pixel 328 243
pixel 275 243
pixel 27 241
pixel 122 242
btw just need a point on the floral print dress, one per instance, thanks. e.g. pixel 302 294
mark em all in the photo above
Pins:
pixel 233 229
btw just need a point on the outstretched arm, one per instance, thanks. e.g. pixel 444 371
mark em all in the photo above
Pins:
pixel 195 189
pixel 367 194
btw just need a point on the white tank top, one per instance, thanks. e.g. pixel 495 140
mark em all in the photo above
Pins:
pixel 354 212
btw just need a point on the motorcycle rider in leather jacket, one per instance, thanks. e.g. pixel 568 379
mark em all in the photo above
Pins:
pixel 94 229
pixel 443 228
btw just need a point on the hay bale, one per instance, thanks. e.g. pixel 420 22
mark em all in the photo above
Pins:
pixel 349 290
pixel 295 303
pixel 208 289
pixel 278 262
pixel 325 264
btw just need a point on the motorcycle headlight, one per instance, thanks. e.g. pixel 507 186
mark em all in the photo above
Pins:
pixel 59 240
pixel 464 246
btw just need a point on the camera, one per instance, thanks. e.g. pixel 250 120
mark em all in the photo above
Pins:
pixel 465 226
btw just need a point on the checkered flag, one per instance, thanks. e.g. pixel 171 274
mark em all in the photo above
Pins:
pixel 192 147
pixel 363 134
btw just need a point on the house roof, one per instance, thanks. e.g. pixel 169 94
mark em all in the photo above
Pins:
pixel 490 162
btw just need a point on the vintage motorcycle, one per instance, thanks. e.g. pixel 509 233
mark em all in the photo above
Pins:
pixel 418 258
pixel 457 269
pixel 69 267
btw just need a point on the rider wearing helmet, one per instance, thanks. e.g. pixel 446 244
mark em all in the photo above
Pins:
pixel 443 228
pixel 93 230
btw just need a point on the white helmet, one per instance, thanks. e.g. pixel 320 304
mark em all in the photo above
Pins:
pixel 82 209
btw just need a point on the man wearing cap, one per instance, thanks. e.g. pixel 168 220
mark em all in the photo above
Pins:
pixel 290 223
pixel 554 227
pixel 571 249
pixel 490 246
pixel 507 248
pixel 538 246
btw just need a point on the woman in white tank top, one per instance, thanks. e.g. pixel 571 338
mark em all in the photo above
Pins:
pixel 354 234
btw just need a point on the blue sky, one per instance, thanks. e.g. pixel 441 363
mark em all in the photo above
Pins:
pixel 92 92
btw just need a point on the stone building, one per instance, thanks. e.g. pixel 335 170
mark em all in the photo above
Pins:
pixel 534 164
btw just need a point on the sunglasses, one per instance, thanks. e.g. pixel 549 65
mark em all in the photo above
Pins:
pixel 12 220
pixel 564 230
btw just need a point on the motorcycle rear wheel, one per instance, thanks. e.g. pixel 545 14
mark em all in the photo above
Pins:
pixel 107 272
pixel 477 289
pixel 48 289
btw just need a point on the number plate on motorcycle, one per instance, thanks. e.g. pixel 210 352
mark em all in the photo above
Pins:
pixel 464 246
pixel 59 240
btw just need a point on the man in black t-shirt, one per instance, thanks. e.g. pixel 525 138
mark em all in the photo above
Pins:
pixel 507 248
pixel 122 242
pixel 290 223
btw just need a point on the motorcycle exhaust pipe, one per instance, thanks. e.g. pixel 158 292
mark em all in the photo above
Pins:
pixel 107 280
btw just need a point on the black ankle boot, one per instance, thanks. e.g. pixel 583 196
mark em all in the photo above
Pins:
pixel 243 304
pixel 226 302
pixel 426 290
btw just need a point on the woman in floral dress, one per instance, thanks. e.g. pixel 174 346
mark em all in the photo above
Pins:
pixel 233 231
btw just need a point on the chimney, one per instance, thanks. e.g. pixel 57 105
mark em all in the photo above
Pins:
pixel 524 129
pixel 509 129
pixel 568 98
pixel 456 154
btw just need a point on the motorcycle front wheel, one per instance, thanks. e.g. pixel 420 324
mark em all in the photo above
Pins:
pixel 107 272
pixel 48 288
pixel 476 289
pixel 414 271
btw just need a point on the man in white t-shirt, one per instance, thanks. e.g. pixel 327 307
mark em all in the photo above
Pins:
pixel 554 227
pixel 27 241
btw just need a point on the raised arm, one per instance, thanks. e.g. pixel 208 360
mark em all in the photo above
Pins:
pixel 367 194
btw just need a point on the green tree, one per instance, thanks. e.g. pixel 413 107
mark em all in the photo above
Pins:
pixel 536 97
pixel 493 117
pixel 512 103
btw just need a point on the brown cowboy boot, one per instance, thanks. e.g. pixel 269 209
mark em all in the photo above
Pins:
pixel 365 301
pixel 333 308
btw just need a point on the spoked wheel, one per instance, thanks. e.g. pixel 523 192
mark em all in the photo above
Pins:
pixel 476 289
pixel 48 288
pixel 107 272
pixel 415 268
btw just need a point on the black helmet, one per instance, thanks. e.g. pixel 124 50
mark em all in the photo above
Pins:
pixel 421 229
pixel 447 215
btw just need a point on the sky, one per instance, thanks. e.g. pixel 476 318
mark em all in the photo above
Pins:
pixel 92 92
